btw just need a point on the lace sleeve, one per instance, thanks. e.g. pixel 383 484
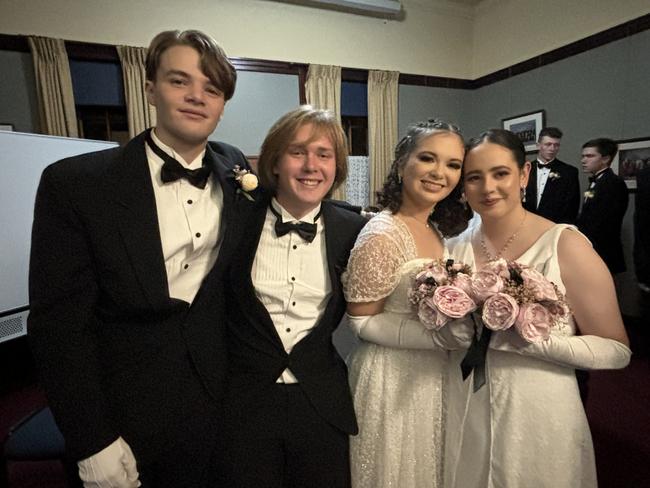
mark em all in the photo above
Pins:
pixel 373 268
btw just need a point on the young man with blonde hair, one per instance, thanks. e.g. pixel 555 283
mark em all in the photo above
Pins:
pixel 288 410
pixel 125 244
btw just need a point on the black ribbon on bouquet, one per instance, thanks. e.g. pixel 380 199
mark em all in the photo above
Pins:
pixel 474 359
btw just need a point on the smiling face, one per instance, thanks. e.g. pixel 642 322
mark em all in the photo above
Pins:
pixel 432 170
pixel 493 180
pixel 305 171
pixel 188 104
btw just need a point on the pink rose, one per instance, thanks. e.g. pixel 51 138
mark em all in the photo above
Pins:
pixel 535 281
pixel 464 282
pixel 498 267
pixel 485 284
pixel 430 316
pixel 500 311
pixel 438 272
pixel 533 322
pixel 452 301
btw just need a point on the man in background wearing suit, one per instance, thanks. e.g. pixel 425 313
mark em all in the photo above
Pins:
pixel 604 203
pixel 122 321
pixel 553 189
pixel 288 410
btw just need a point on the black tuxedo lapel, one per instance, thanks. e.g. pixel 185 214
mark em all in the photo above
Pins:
pixel 252 216
pixel 225 178
pixel 333 245
pixel 138 221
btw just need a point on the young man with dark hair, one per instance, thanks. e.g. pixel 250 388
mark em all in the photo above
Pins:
pixel 288 410
pixel 125 244
pixel 604 204
pixel 553 189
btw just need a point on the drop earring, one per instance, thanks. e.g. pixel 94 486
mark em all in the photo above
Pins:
pixel 463 200
pixel 523 194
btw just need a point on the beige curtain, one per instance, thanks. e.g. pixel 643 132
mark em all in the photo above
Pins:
pixel 53 86
pixel 323 91
pixel 140 114
pixel 382 125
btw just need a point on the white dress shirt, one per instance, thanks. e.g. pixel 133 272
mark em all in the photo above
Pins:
pixel 189 219
pixel 542 178
pixel 291 279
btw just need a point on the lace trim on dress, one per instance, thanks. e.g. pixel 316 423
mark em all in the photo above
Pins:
pixel 382 247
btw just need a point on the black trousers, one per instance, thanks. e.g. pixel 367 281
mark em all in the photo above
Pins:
pixel 180 453
pixel 276 439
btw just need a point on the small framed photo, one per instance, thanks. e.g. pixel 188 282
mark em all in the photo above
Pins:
pixel 633 155
pixel 9 127
pixel 526 127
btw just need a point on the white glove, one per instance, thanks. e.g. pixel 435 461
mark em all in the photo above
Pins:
pixel 397 330
pixel 112 467
pixel 581 352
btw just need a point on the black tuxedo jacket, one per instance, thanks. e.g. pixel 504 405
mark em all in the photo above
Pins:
pixel 110 342
pixel 642 227
pixel 256 354
pixel 560 200
pixel 601 218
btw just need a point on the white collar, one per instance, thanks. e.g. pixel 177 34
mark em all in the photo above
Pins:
pixel 287 217
pixel 196 163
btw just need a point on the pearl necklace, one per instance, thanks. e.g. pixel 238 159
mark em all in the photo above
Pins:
pixel 499 254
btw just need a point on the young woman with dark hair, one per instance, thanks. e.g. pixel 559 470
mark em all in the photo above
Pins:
pixel 397 373
pixel 527 427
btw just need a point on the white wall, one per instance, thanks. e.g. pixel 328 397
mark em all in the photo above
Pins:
pixel 435 37
pixel 430 40
pixel 507 32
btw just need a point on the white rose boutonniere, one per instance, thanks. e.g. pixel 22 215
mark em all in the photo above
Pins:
pixel 246 180
pixel 589 194
pixel 554 176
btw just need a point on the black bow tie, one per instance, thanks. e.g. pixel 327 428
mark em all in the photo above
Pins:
pixel 592 179
pixel 304 229
pixel 172 170
pixel 544 165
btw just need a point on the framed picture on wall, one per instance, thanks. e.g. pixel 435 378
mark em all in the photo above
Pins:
pixel 633 155
pixel 9 127
pixel 527 127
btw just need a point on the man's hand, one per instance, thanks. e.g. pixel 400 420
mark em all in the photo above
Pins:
pixel 112 467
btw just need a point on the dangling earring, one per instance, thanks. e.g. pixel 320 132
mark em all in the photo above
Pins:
pixel 523 194
pixel 399 179
pixel 463 200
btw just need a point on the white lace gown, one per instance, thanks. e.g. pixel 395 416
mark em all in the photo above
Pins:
pixel 398 393
pixel 526 428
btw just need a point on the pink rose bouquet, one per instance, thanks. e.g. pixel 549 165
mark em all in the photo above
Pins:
pixel 441 292
pixel 515 294
pixel 509 294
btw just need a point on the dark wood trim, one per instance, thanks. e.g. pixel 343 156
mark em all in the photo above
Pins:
pixel 354 75
pixel 302 80
pixel 105 52
pixel 267 66
pixel 86 51
pixel 10 42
